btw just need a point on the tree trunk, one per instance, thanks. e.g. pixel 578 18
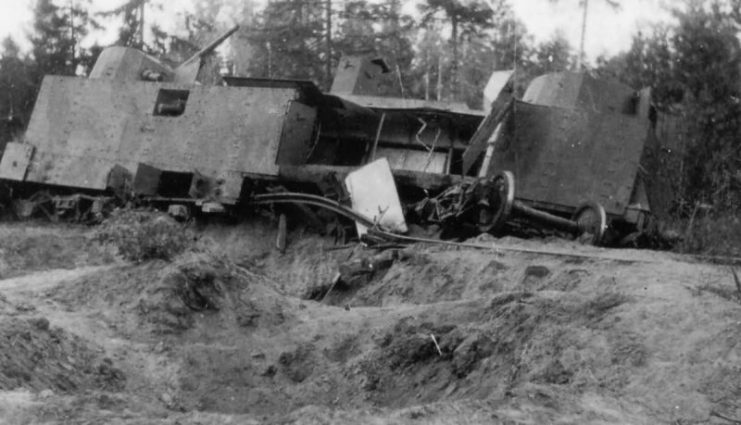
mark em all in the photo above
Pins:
pixel 328 59
pixel 270 59
pixel 427 83
pixel 454 67
pixel 580 58
pixel 72 35
pixel 440 77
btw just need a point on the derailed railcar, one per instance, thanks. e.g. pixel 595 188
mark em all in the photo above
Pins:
pixel 418 136
pixel 574 146
pixel 139 130
pixel 568 154
pixel 137 127
pixel 572 155
pixel 588 149
pixel 82 129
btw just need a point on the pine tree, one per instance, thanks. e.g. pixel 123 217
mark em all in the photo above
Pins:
pixel 614 4
pixel 289 41
pixel 18 91
pixel 52 46
pixel 56 36
pixel 553 55
pixel 694 68
pixel 473 18
pixel 131 33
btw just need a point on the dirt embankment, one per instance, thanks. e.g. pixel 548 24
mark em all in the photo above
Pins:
pixel 239 333
pixel 29 247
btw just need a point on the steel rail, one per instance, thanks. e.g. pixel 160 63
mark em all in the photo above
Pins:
pixel 374 230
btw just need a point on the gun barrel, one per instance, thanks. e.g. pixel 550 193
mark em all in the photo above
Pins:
pixel 211 46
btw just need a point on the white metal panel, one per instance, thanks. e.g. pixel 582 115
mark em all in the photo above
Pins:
pixel 373 193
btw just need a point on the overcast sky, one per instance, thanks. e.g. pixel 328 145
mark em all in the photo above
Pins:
pixel 609 31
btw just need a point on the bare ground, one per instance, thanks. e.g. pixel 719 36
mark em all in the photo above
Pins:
pixel 239 333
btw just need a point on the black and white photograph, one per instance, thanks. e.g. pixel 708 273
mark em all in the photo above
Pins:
pixel 494 212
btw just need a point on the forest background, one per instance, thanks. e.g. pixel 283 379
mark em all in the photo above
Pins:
pixel 442 50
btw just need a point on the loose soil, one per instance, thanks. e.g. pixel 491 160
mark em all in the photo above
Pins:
pixel 231 331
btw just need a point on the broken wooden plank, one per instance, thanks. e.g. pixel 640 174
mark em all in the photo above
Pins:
pixel 282 236
pixel 485 131
pixel 500 107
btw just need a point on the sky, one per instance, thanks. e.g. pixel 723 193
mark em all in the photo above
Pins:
pixel 609 31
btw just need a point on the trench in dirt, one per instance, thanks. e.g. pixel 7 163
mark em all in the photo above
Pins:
pixel 443 332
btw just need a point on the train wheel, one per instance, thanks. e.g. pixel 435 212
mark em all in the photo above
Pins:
pixel 591 219
pixel 39 201
pixel 495 209
pixel 23 208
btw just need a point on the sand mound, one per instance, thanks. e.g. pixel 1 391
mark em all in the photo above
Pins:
pixel 29 247
pixel 36 356
pixel 160 297
pixel 440 335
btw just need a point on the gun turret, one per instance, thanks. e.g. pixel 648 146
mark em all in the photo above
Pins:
pixel 126 63
pixel 187 71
